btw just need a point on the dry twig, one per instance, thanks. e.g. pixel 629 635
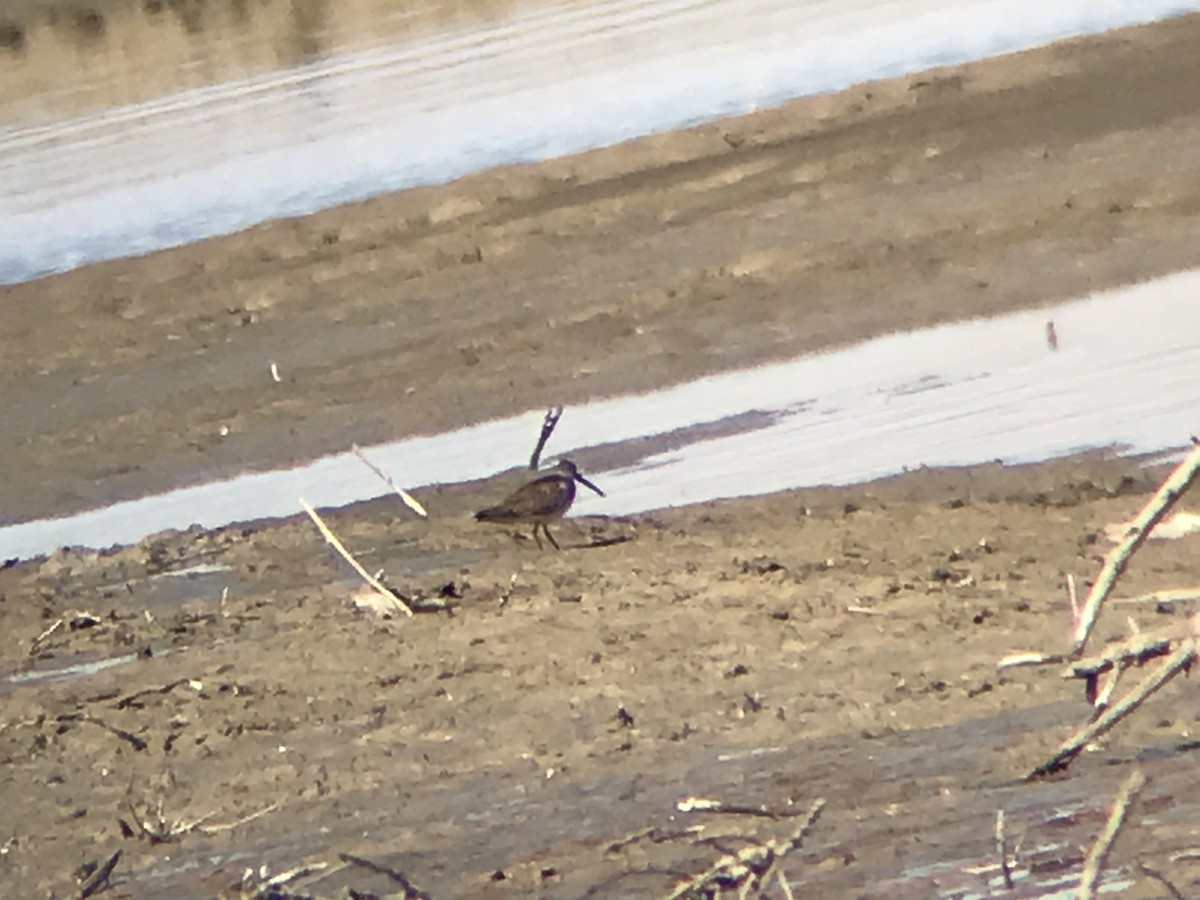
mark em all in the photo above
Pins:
pixel 135 698
pixel 654 835
pixel 1162 879
pixel 408 499
pixel 160 833
pixel 132 739
pixel 1178 595
pixel 749 868
pixel 370 579
pixel 865 610
pixel 1114 563
pixel 99 879
pixel 162 830
pixel 1103 671
pixel 262 886
pixel 1177 662
pixel 36 644
pixel 553 414
pixel 1101 692
pixel 411 891
pixel 705 804
pixel 1100 850
pixel 229 826
pixel 1002 850
pixel 1029 658
pixel 1134 650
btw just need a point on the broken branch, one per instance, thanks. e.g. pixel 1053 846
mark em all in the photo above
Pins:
pixel 136 742
pixel 37 641
pixel 411 891
pixel 1177 662
pixel 370 579
pixel 1139 529
pixel 749 867
pixel 1029 658
pixel 1179 595
pixel 100 879
pixel 1100 850
pixel 1002 850
pixel 408 499
pixel 553 414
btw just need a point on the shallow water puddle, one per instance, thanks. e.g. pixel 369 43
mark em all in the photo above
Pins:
pixel 74 670
pixel 430 107
pixel 1127 373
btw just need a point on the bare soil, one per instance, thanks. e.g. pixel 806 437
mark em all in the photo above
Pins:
pixel 534 738
pixel 837 644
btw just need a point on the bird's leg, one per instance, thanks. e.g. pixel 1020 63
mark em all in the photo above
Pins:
pixel 537 537
pixel 546 529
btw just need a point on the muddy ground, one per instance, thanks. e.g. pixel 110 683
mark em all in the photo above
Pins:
pixel 533 738
pixel 835 644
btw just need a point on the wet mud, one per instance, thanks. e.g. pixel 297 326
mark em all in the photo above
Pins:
pixel 534 732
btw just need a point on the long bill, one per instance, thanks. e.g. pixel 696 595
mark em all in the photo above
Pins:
pixel 587 483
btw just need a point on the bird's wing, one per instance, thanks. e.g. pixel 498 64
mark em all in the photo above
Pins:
pixel 543 497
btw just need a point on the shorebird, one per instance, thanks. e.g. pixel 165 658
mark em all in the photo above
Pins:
pixel 542 500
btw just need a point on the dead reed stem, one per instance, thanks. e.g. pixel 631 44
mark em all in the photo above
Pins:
pixel 1002 850
pixel 408 499
pixel 1177 662
pixel 366 576
pixel 1114 563
pixel 1177 595
pixel 1099 854
pixel 553 414
pixel 751 867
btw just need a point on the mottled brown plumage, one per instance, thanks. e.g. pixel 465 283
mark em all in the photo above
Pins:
pixel 542 500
